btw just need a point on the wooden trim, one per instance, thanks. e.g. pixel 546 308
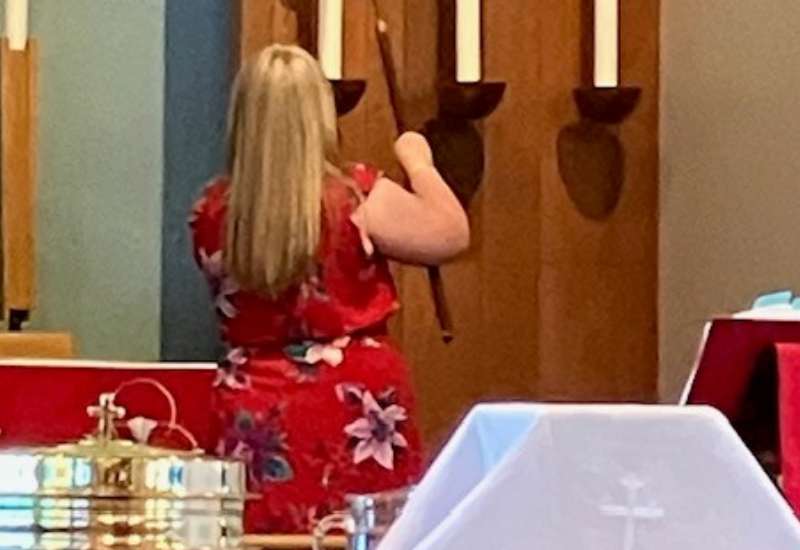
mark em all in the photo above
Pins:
pixel 446 69
pixel 291 542
pixel 19 164
pixel 587 43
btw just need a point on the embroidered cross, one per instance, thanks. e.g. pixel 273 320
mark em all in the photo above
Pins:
pixel 632 512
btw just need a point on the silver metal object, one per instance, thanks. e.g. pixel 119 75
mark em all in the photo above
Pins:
pixel 367 520
pixel 106 493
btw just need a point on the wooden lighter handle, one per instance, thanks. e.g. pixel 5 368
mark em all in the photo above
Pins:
pixel 440 304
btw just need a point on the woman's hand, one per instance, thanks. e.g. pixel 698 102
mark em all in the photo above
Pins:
pixel 413 152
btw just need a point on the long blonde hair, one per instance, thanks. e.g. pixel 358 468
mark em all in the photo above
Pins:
pixel 283 142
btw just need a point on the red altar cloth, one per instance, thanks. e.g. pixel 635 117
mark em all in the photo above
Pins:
pixel 728 357
pixel 789 406
pixel 733 354
pixel 44 401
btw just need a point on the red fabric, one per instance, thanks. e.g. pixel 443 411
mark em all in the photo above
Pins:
pixel 44 405
pixel 728 358
pixel 312 394
pixel 725 369
pixel 789 414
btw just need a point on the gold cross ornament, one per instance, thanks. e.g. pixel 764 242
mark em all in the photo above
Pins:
pixel 106 413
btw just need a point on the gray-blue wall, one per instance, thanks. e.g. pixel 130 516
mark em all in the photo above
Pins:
pixel 197 80
pixel 132 108
pixel 99 205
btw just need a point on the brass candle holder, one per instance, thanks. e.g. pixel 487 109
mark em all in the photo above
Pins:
pixel 591 156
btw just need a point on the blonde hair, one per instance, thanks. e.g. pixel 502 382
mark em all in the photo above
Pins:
pixel 283 141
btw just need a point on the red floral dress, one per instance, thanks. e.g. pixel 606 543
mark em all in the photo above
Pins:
pixel 312 395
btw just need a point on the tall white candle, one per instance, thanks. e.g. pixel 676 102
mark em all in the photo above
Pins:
pixel 606 43
pixel 468 40
pixel 331 27
pixel 17 23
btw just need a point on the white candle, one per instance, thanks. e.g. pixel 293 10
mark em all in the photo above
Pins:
pixel 17 23
pixel 331 26
pixel 606 43
pixel 468 40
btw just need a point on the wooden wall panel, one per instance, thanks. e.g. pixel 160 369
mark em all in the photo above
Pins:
pixel 19 166
pixel 547 304
pixel 262 22
pixel 598 281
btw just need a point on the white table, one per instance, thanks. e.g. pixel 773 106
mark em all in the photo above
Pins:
pixel 563 477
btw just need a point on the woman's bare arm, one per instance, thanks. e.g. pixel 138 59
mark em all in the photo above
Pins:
pixel 425 225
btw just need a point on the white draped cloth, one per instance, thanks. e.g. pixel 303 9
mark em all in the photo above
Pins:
pixel 586 477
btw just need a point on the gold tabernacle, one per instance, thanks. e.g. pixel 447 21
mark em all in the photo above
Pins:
pixel 104 492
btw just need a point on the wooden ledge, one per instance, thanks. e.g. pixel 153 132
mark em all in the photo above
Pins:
pixel 45 345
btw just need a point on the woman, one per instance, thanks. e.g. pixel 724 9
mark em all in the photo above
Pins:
pixel 294 245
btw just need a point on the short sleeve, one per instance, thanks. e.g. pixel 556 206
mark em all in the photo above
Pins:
pixel 365 176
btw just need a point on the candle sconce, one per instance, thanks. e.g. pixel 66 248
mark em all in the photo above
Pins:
pixel 606 105
pixel 591 162
pixel 347 93
pixel 591 157
pixel 456 142
pixel 471 101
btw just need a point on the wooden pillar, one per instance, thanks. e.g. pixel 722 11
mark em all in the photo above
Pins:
pixel 19 160
pixel 597 281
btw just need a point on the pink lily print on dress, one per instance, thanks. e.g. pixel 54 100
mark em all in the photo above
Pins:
pixel 376 431
pixel 223 285
pixel 314 289
pixel 313 353
pixel 258 438
pixel 211 265
pixel 229 374
pixel 227 288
